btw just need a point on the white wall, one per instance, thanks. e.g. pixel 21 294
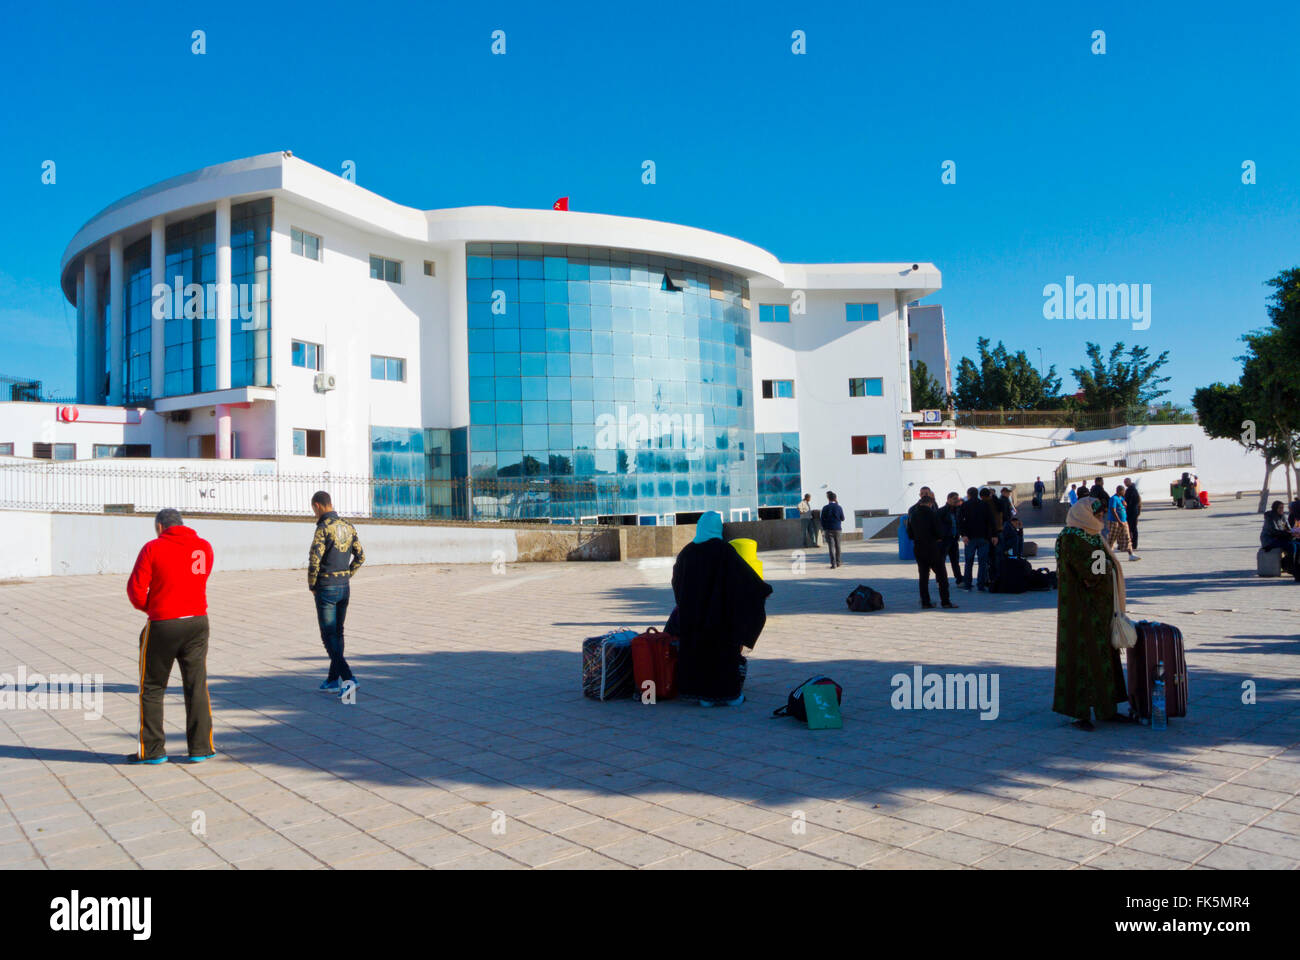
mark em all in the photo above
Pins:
pixel 23 424
pixel 67 544
pixel 822 351
pixel 335 302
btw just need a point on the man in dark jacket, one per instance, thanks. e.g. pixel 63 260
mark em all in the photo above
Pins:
pixel 334 556
pixel 170 583
pixel 1133 506
pixel 950 524
pixel 832 525
pixel 977 532
pixel 927 536
pixel 1040 488
pixel 1098 491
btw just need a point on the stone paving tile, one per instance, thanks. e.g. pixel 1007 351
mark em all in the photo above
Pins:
pixel 402 781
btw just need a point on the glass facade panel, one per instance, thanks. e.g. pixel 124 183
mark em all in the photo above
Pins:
pixel 608 390
pixel 250 294
pixel 137 322
pixel 778 470
pixel 189 332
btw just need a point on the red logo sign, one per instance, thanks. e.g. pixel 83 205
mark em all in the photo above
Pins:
pixel 67 414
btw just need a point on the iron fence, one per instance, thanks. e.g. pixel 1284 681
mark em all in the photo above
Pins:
pixel 261 491
pixel 1074 419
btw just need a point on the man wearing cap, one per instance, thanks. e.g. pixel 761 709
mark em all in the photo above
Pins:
pixel 170 584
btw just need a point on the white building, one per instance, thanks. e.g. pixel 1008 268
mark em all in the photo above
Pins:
pixel 584 364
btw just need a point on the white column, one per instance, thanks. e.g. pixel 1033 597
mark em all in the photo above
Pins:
pixel 458 336
pixel 81 338
pixel 94 333
pixel 116 316
pixel 223 294
pixel 157 275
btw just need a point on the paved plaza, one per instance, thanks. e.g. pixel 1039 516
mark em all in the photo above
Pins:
pixel 471 746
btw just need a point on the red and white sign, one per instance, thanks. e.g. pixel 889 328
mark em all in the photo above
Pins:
pixel 934 434
pixel 129 416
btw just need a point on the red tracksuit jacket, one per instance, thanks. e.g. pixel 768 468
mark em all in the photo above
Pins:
pixel 170 578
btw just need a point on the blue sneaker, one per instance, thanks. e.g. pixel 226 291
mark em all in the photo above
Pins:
pixel 152 761
pixel 330 686
pixel 194 759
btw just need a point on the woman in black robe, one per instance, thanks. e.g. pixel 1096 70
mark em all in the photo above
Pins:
pixel 720 609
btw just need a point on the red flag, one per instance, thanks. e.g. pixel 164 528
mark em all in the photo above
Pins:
pixel 561 204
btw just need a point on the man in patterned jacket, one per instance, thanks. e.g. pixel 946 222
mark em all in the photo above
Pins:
pixel 334 556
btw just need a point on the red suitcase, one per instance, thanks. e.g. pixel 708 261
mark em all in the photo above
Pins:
pixel 654 657
pixel 1157 642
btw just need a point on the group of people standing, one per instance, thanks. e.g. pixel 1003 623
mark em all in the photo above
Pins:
pixel 169 583
pixel 1119 512
pixel 829 520
pixel 987 525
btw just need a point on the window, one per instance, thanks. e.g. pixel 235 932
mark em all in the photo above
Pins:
pixel 965 454
pixel 54 451
pixel 874 443
pixel 859 312
pixel 780 389
pixel 934 454
pixel 304 244
pixel 382 269
pixel 866 387
pixel 134 450
pixel 309 443
pixel 429 268
pixel 773 313
pixel 6 449
pixel 387 368
pixel 307 355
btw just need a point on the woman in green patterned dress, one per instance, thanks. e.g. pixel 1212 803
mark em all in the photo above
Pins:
pixel 1089 675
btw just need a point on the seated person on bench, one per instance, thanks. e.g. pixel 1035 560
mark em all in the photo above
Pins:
pixel 1276 535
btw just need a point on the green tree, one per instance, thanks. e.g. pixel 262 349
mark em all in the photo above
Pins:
pixel 1268 376
pixel 1227 412
pixel 1004 381
pixel 1120 381
pixel 927 392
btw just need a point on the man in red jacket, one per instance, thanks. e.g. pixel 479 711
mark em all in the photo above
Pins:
pixel 169 583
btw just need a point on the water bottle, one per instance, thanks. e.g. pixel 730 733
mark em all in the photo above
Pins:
pixel 1159 720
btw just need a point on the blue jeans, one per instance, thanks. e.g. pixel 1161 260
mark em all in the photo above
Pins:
pixel 977 547
pixel 331 611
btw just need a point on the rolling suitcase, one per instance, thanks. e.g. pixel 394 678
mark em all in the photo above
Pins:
pixel 654 658
pixel 1157 642
pixel 607 665
pixel 1030 549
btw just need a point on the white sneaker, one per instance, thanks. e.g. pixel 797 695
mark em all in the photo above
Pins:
pixel 1134 556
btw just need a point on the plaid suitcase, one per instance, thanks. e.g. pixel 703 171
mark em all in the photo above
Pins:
pixel 607 665
pixel 1157 642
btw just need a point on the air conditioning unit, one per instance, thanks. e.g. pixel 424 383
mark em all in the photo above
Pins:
pixel 325 382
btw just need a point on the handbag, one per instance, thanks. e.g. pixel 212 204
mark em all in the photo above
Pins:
pixel 1123 631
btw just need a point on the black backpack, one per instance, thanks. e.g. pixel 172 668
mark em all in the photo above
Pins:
pixel 794 702
pixel 1042 579
pixel 864 600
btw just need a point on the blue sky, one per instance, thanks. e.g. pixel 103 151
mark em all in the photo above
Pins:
pixel 1121 168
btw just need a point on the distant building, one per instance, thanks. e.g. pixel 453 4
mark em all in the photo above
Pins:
pixel 928 338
